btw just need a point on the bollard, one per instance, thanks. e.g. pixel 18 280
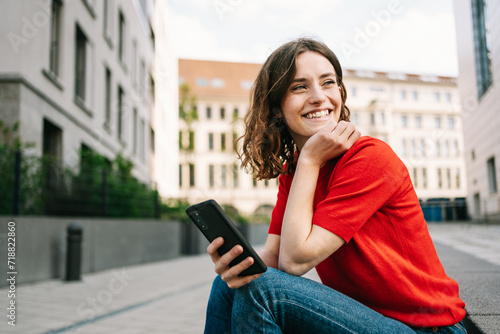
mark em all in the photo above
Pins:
pixel 74 252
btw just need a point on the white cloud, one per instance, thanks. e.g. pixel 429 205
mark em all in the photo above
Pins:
pixel 415 40
pixel 411 42
pixel 197 41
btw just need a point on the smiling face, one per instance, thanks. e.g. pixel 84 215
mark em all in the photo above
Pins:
pixel 313 98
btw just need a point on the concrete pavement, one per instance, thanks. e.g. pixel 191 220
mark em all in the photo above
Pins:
pixel 170 296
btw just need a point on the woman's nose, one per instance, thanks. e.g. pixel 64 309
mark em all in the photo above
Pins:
pixel 317 95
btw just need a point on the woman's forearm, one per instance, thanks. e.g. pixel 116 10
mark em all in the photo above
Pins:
pixel 295 250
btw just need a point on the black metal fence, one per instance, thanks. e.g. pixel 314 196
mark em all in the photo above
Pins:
pixel 98 188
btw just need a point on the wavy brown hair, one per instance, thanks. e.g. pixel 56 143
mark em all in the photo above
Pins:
pixel 268 148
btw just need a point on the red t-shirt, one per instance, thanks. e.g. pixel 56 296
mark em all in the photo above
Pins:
pixel 388 262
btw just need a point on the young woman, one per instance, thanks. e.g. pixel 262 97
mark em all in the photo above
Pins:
pixel 346 206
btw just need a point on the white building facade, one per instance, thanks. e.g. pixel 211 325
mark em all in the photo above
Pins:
pixel 419 116
pixel 478 44
pixel 81 75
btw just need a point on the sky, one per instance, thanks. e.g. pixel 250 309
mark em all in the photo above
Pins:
pixel 410 36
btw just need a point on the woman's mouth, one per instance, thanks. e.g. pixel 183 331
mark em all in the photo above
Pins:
pixel 317 114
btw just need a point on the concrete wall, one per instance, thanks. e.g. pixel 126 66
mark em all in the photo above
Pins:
pixel 41 244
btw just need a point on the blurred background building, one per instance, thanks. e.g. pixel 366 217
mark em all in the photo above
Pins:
pixel 83 76
pixel 419 116
pixel 477 24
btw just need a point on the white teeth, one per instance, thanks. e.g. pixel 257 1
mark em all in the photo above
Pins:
pixel 318 114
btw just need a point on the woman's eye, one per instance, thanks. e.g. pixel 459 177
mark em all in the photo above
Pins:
pixel 330 82
pixel 298 87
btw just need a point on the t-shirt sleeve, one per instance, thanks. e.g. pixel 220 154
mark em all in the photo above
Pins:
pixel 363 181
pixel 279 208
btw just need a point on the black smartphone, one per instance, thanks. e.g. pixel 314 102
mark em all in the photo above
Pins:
pixel 213 222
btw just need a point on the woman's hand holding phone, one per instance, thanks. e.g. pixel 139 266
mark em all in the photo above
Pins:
pixel 227 273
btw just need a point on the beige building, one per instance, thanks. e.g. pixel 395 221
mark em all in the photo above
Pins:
pixel 478 44
pixel 82 75
pixel 419 116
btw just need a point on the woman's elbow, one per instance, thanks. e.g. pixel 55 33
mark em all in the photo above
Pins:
pixel 292 267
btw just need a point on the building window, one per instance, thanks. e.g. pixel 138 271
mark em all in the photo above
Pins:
pixel 223 142
pixel 235 113
pixel 422 147
pixel 424 178
pixel 403 95
pixel 415 95
pixel 457 177
pixel 448 178
pixel 107 102
pixel 418 121
pixel 121 36
pixel 142 79
pixel 209 113
pixel 120 113
pixel 437 120
pixel 202 82
pixel 217 83
pixel 492 175
pixel 152 89
pixel 415 177
pixel 440 178
pixel 403 147
pixel 191 175
pixel 134 64
pixel 191 141
pixel 80 63
pixel 451 122
pixel 372 118
pixel 455 148
pixel 142 140
pixel 438 148
pixel 181 146
pixel 223 176
pixel 437 97
pixel 447 97
pixel 446 148
pixel 211 176
pixel 55 37
pixel 222 113
pixel 404 121
pixel 484 76
pixel 211 141
pixel 246 84
pixel 354 118
pixel 477 205
pixel 180 176
pixel 105 17
pixel 235 176
pixel 152 139
pixel 134 134
pixel 235 138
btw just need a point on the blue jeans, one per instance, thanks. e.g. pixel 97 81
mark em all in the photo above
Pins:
pixel 280 303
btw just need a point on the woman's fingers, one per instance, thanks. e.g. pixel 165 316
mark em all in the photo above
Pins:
pixel 222 264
